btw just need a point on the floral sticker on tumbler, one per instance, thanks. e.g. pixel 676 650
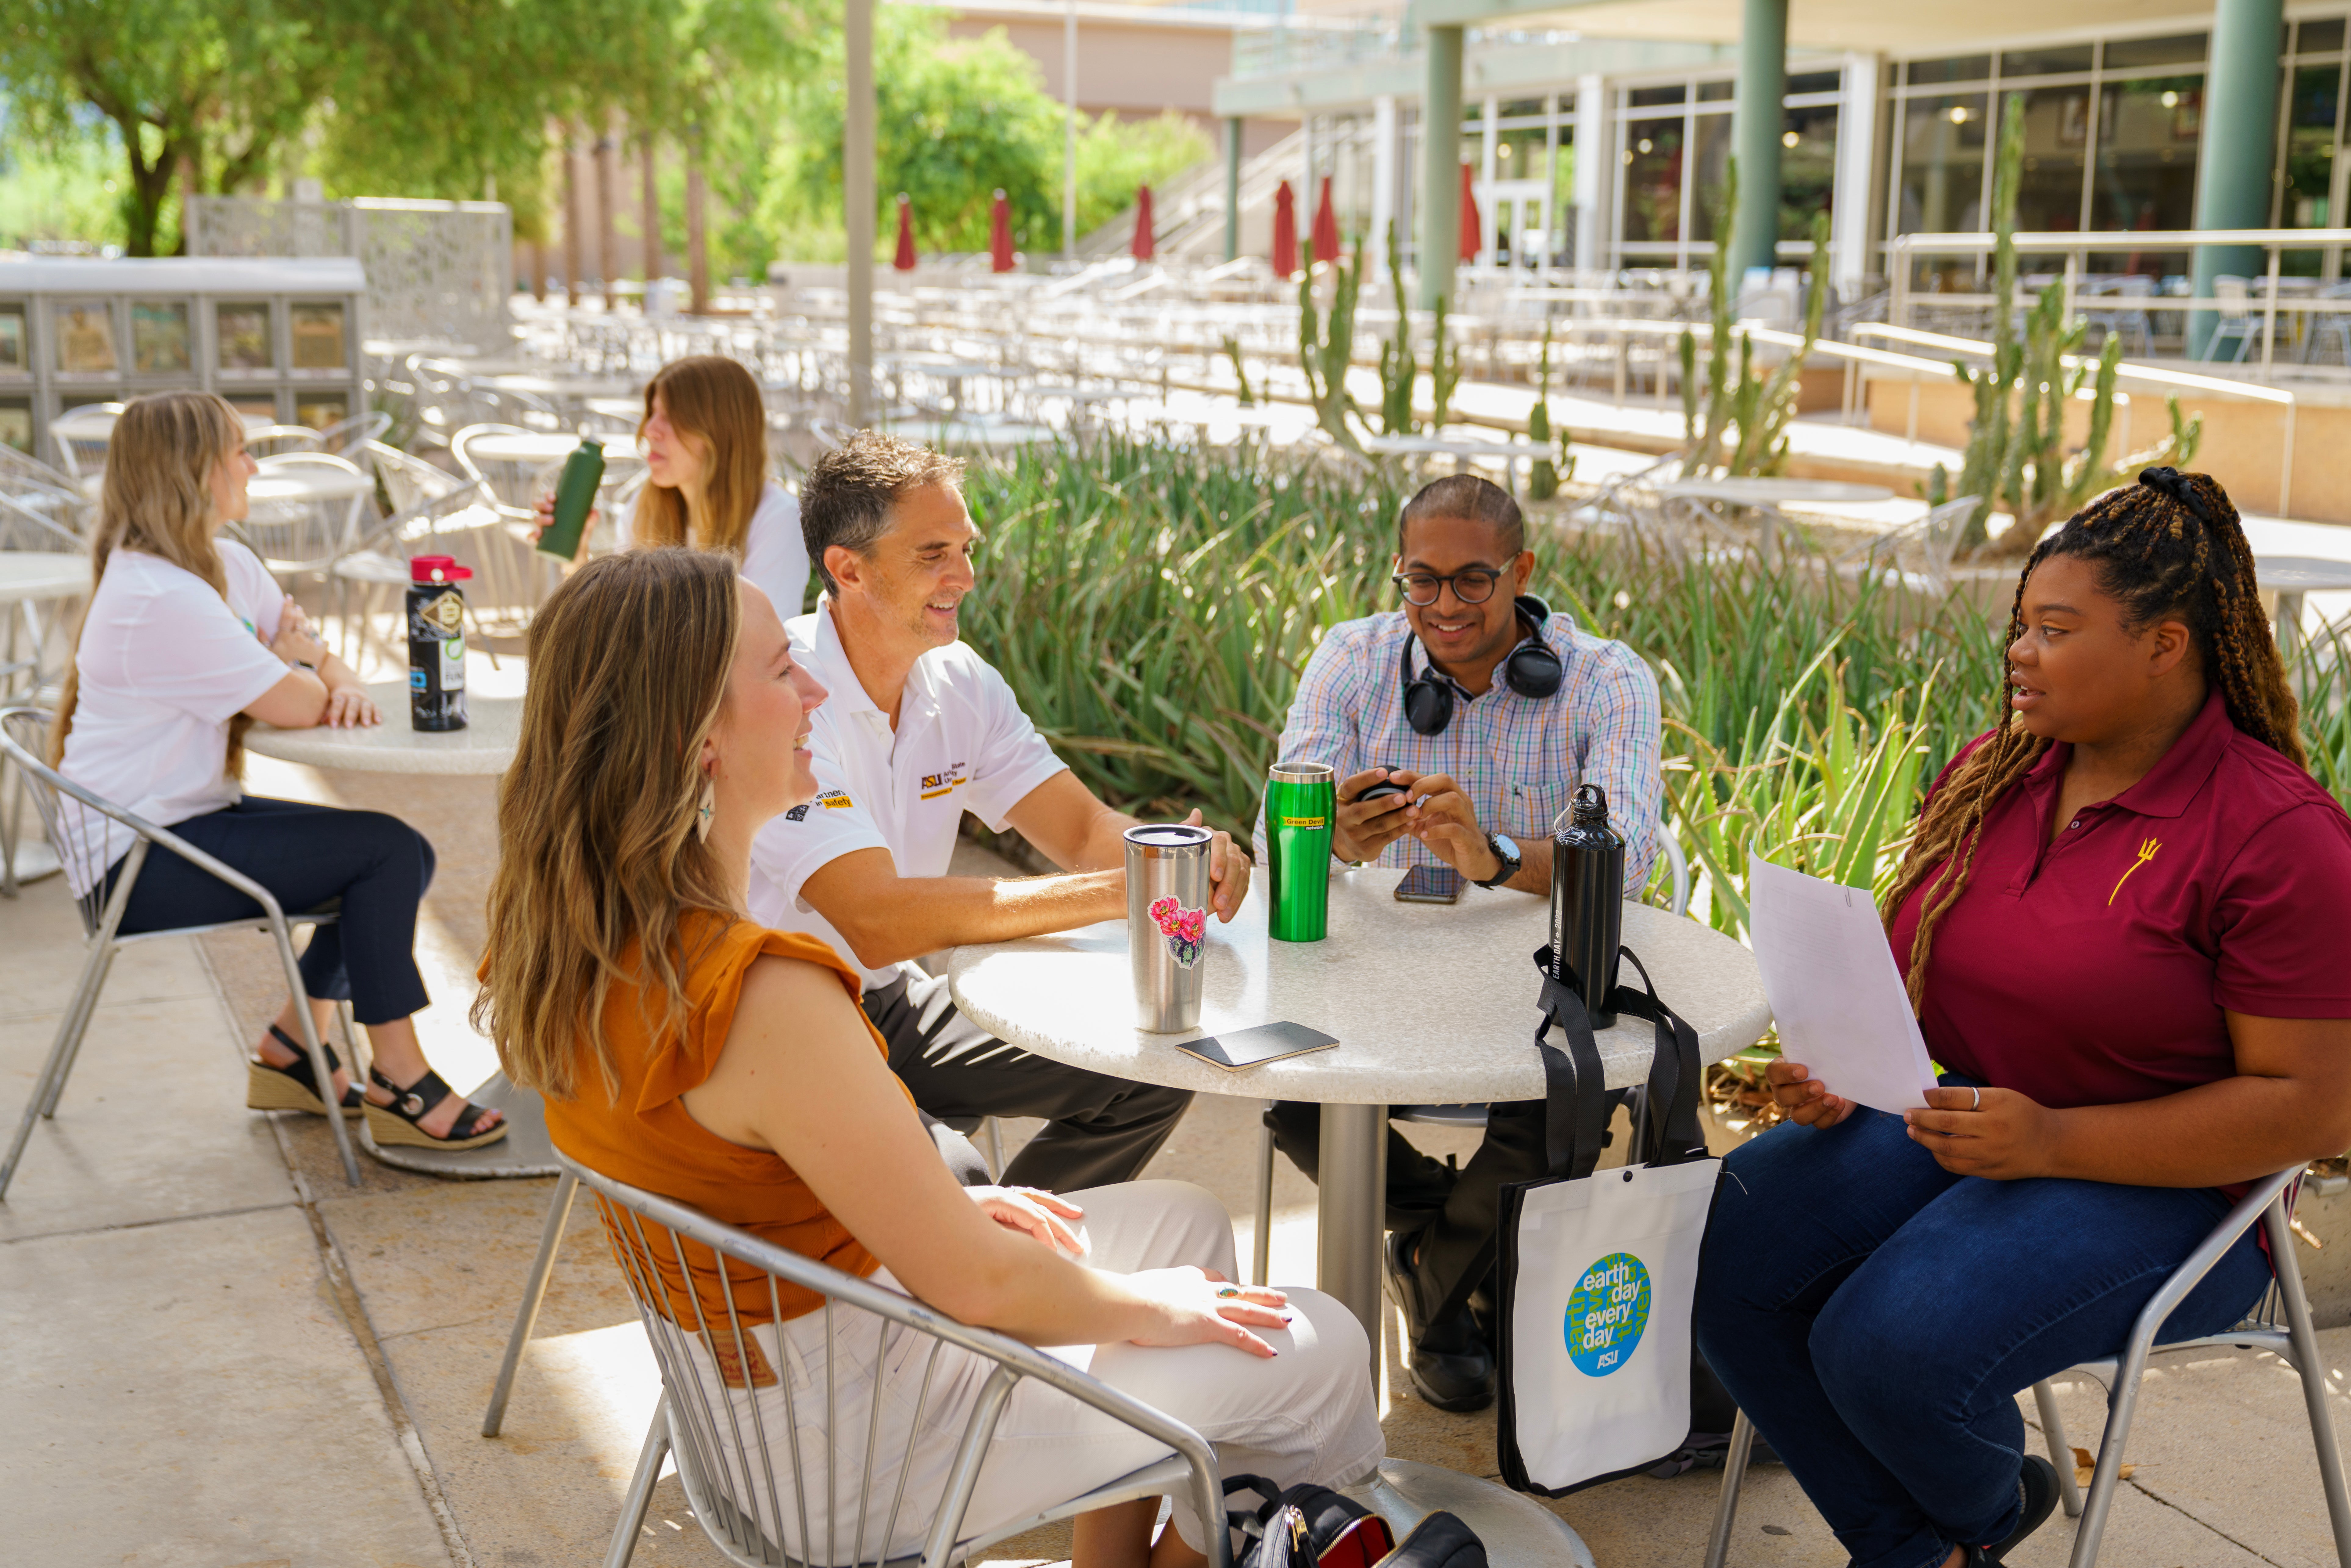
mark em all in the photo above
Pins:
pixel 1186 929
pixel 1607 1314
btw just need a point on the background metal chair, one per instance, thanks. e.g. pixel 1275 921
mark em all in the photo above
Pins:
pixel 76 821
pixel 2238 324
pixel 1918 553
pixel 1464 1115
pixel 749 1487
pixel 2296 1344
pixel 429 505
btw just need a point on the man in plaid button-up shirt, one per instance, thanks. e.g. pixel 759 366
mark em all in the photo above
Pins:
pixel 1505 763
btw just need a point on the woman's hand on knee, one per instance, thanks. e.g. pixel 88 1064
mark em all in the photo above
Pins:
pixel 1802 1098
pixel 1193 1308
pixel 1998 1133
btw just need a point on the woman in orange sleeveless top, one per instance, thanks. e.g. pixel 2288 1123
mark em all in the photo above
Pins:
pixel 684 1049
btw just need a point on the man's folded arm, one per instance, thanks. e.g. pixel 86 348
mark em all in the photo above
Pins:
pixel 886 918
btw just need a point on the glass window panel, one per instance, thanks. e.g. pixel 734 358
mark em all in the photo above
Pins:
pixel 159 337
pixel 1648 97
pixel 2056 145
pixel 2135 53
pixel 255 407
pixel 319 338
pixel 318 412
pixel 1562 200
pixel 1525 108
pixel 1653 180
pixel 1807 168
pixel 1816 81
pixel 16 423
pixel 242 331
pixel 2317 37
pixel 84 335
pixel 1942 153
pixel 1710 169
pixel 16 353
pixel 2046 62
pixel 2311 113
pixel 1716 91
pixel 2145 176
pixel 1518 154
pixel 1958 67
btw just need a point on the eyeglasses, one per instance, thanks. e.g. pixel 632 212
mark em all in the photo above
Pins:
pixel 1472 585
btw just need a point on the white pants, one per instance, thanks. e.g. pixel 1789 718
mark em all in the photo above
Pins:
pixel 1308 1415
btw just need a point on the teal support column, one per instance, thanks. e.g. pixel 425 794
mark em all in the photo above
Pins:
pixel 1758 120
pixel 2236 160
pixel 1441 167
pixel 1232 189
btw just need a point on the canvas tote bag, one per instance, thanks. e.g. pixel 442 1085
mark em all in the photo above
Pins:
pixel 1599 1272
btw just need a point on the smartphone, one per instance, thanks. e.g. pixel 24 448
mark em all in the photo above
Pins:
pixel 1429 885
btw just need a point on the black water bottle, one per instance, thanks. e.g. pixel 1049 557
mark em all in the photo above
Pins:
pixel 1587 902
pixel 436 643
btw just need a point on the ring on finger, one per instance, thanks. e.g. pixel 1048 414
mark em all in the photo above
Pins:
pixel 1977 1104
pixel 1228 1291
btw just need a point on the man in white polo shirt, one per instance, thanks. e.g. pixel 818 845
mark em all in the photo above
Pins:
pixel 918 730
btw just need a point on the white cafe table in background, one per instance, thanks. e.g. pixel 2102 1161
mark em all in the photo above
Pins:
pixel 485 747
pixel 1509 452
pixel 2290 577
pixel 533 448
pixel 305 482
pixel 29 579
pixel 1431 1004
pixel 1767 496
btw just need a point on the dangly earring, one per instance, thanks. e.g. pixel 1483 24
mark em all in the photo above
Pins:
pixel 705 808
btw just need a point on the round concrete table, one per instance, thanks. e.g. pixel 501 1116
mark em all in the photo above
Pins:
pixel 29 579
pixel 2290 577
pixel 307 482
pixel 1510 453
pixel 1430 1003
pixel 484 747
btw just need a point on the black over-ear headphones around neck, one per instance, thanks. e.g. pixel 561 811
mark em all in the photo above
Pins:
pixel 1533 670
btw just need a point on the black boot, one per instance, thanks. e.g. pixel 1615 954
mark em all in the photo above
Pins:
pixel 1450 1364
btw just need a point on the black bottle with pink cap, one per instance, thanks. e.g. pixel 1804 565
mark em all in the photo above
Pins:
pixel 436 643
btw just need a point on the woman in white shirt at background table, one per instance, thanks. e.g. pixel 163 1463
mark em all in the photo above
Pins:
pixel 186 642
pixel 707 480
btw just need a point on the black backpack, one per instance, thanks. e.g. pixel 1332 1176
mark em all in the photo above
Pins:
pixel 1313 1527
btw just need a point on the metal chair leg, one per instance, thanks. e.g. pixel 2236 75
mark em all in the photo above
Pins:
pixel 60 1060
pixel 312 1046
pixel 2061 1453
pixel 1734 1472
pixel 639 1499
pixel 533 1291
pixel 1262 1242
pixel 2313 1371
pixel 995 1131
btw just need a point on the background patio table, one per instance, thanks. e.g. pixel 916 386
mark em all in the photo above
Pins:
pixel 486 746
pixel 2290 577
pixel 1767 496
pixel 1430 1003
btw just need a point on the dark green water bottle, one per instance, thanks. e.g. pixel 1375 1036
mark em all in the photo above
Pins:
pixel 575 497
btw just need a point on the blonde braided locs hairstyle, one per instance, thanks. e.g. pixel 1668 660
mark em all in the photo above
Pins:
pixel 2170 547
pixel 628 666
pixel 157 499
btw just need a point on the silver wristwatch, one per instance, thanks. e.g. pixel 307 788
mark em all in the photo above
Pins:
pixel 1507 851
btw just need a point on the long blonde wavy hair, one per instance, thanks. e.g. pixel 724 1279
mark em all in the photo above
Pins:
pixel 157 499
pixel 713 397
pixel 629 661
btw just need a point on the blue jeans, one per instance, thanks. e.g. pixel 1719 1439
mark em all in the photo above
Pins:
pixel 1876 1316
pixel 305 854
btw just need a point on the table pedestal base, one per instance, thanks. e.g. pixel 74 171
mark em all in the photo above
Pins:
pixel 524 1151
pixel 1517 1531
pixel 33 861
pixel 1350 1214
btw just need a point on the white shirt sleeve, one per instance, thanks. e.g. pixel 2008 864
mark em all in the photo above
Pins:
pixel 795 846
pixel 775 555
pixel 185 647
pixel 1011 757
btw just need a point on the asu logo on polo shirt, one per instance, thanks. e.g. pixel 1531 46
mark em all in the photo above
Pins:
pixel 831 798
pixel 934 785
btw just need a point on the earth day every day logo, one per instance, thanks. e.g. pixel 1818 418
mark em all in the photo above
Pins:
pixel 1607 1314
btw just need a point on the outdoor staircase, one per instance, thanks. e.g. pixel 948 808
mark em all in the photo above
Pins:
pixel 1188 213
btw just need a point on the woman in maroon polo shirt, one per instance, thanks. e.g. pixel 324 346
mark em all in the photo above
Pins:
pixel 2122 921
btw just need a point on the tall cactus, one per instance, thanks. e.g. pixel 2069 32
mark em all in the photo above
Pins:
pixel 1444 374
pixel 1736 396
pixel 1398 371
pixel 1543 476
pixel 1324 355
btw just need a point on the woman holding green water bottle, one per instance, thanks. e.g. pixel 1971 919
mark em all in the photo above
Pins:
pixel 706 483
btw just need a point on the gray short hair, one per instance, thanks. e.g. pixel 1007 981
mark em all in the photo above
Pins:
pixel 847 496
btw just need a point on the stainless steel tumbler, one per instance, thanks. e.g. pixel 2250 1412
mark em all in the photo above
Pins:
pixel 1166 923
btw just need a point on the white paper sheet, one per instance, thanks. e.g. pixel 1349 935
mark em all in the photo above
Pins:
pixel 1835 989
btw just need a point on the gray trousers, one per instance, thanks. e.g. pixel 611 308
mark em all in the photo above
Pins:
pixel 1098 1130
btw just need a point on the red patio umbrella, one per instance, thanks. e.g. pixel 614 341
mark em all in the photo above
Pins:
pixel 1285 231
pixel 1473 232
pixel 1000 235
pixel 904 260
pixel 1143 242
pixel 1326 226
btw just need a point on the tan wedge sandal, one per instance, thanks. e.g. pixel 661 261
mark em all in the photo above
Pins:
pixel 396 1123
pixel 294 1087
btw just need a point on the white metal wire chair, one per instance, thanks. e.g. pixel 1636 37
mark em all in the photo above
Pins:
pixel 767 1498
pixel 76 822
pixel 1917 554
pixel 2296 1344
pixel 303 536
pixel 430 503
pixel 1470 1114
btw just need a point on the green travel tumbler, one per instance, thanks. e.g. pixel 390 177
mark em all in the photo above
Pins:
pixel 575 496
pixel 1301 801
